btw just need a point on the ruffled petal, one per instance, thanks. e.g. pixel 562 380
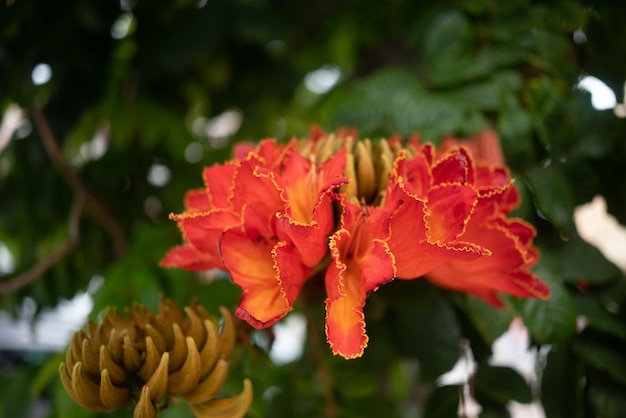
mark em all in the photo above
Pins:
pixel 218 181
pixel 197 201
pixel 269 272
pixel 248 258
pixel 202 230
pixel 361 262
pixel 188 258
pixel 454 167
pixel 256 186
pixel 505 270
pixel 408 241
pixel 448 210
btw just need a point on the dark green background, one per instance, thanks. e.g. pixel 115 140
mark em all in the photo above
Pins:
pixel 450 67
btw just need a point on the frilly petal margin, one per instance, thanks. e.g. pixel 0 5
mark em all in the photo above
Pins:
pixel 269 272
pixel 361 262
pixel 506 270
pixel 414 254
pixel 190 259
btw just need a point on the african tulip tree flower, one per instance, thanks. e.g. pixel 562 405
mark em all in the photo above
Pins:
pixel 507 270
pixel 358 214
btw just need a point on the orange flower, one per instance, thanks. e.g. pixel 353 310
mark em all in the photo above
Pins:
pixel 361 262
pixel 361 213
pixel 509 240
pixel 267 224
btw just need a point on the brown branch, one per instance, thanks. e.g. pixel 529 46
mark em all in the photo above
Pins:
pixel 53 258
pixel 93 206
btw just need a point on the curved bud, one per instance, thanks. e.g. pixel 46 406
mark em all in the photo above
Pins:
pixel 386 165
pixel 365 170
pixel 211 350
pixel 351 188
pixel 114 347
pixel 178 353
pixel 168 309
pixel 157 338
pixel 86 392
pixel 115 371
pixel 113 397
pixel 194 327
pixel 90 359
pixel 151 362
pixel 130 355
pixel 186 378
pixel 228 333
pixel 211 385
pixel 72 356
pixel 235 407
pixel 144 407
pixel 159 380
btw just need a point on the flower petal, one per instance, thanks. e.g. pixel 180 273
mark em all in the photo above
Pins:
pixel 248 258
pixel 202 230
pixel 197 201
pixel 218 180
pixel 348 286
pixel 504 271
pixel 448 210
pixel 362 261
pixel 255 186
pixel 455 167
pixel 269 272
pixel 414 254
pixel 188 258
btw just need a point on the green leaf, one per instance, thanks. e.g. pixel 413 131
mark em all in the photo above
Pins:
pixel 490 322
pixel 430 333
pixel 47 373
pixel 449 34
pixel 552 320
pixel 608 399
pixel 582 261
pixel 502 384
pixel 515 127
pixel 553 195
pixel 604 356
pixel 443 402
pixel 354 382
pixel 66 407
pixel 598 317
pixel 561 396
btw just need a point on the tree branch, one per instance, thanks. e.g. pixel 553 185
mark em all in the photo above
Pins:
pixel 44 265
pixel 93 206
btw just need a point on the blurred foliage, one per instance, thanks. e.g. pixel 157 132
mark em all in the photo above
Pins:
pixel 147 76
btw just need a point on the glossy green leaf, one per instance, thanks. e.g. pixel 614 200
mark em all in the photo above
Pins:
pixel 553 320
pixel 490 322
pixel 599 317
pixel 584 262
pixel 502 384
pixel 553 195
pixel 434 343
pixel 562 375
pixel 608 399
pixel 603 356
pixel 442 402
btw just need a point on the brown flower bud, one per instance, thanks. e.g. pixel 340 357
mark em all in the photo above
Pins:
pixel 144 359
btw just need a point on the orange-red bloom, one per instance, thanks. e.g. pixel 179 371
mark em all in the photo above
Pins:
pixel 509 240
pixel 362 214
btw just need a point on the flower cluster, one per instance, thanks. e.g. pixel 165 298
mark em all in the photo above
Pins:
pixel 359 213
pixel 146 359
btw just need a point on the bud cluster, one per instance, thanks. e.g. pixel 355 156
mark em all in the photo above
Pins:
pixel 368 163
pixel 144 359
